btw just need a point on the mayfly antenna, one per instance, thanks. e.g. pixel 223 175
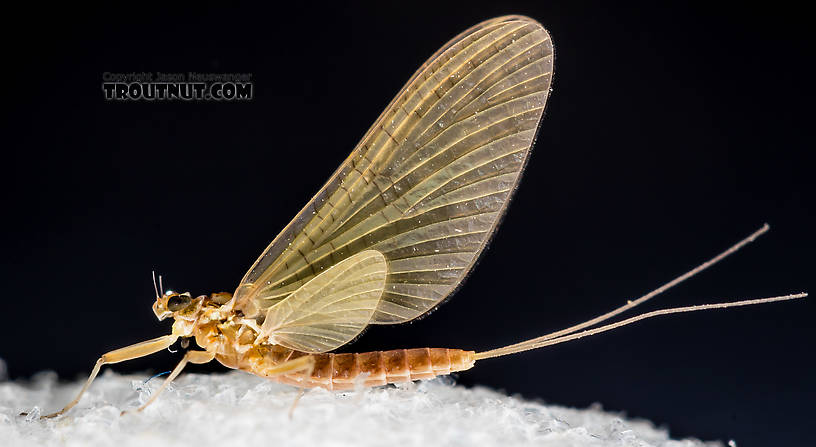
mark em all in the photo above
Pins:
pixel 155 287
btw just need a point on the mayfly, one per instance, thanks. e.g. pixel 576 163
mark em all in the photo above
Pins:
pixel 393 232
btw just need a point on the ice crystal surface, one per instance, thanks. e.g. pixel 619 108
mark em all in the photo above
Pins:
pixel 238 409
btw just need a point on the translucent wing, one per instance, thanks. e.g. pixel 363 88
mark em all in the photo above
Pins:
pixel 332 308
pixel 429 182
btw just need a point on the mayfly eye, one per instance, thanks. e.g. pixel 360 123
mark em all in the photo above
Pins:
pixel 178 302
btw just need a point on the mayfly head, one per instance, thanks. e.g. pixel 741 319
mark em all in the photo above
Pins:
pixel 175 305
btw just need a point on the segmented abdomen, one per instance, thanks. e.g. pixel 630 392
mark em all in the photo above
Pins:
pixel 346 371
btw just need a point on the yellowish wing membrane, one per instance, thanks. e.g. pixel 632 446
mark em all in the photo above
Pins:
pixel 331 309
pixel 429 182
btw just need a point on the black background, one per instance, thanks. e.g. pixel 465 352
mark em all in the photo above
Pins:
pixel 672 132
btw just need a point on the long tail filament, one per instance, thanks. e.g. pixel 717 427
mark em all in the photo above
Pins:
pixel 571 333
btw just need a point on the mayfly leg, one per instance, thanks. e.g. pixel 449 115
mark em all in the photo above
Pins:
pixel 301 393
pixel 131 352
pixel 302 364
pixel 196 357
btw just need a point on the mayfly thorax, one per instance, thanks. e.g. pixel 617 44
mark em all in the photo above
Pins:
pixel 393 232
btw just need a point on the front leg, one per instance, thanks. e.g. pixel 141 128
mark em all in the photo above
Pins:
pixel 131 352
pixel 196 357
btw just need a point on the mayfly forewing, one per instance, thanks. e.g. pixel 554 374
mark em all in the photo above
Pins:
pixel 430 180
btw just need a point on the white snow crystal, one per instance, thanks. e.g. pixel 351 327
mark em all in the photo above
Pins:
pixel 238 409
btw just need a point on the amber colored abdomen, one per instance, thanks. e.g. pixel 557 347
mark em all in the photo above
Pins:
pixel 345 371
